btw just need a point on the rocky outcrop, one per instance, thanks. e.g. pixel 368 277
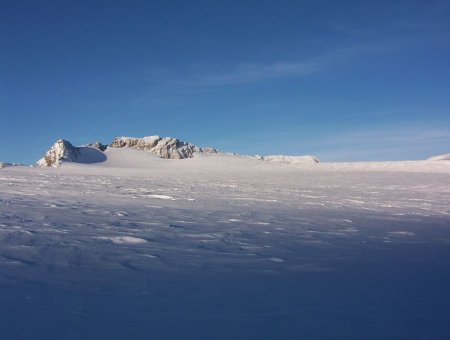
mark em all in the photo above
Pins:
pixel 98 145
pixel 62 150
pixel 167 147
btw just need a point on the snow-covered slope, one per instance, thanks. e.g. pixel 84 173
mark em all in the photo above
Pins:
pixel 138 246
pixel 289 159
pixel 445 157
pixel 63 150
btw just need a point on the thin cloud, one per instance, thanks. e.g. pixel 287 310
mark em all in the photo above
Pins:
pixel 250 73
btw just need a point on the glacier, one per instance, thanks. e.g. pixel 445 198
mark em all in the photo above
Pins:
pixel 136 246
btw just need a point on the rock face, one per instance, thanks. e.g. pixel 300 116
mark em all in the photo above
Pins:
pixel 98 145
pixel 62 150
pixel 167 147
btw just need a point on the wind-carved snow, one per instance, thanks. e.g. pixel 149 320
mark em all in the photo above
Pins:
pixel 218 242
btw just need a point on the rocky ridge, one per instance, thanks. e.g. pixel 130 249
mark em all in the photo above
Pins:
pixel 167 147
pixel 164 147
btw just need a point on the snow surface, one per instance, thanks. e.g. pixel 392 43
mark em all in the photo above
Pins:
pixel 224 247
pixel 445 157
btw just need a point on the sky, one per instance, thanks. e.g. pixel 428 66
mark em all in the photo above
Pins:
pixel 341 80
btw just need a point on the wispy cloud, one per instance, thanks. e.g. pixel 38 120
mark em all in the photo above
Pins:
pixel 170 86
pixel 250 73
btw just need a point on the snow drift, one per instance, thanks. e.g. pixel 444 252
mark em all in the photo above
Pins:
pixel 445 157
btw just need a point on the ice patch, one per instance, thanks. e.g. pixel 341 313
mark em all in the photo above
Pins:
pixel 402 233
pixel 161 197
pixel 123 239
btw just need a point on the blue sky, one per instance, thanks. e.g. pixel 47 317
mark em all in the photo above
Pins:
pixel 342 80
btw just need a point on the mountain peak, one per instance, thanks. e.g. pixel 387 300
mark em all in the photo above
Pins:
pixel 62 150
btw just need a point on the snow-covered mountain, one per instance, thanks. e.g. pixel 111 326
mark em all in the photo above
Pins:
pixel 169 148
pixel 163 147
